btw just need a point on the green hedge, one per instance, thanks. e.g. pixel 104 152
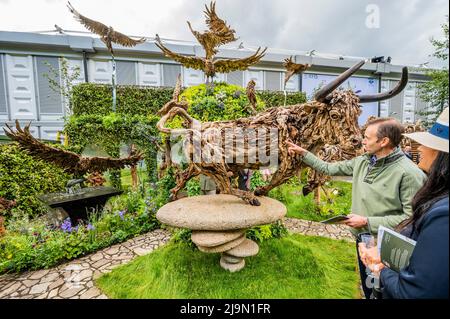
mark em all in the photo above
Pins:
pixel 96 99
pixel 23 178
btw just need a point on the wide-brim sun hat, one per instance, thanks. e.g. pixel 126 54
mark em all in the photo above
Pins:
pixel 437 137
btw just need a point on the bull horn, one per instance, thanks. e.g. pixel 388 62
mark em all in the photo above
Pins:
pixel 323 93
pixel 389 94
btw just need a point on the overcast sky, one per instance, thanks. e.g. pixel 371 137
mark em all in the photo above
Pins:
pixel 365 28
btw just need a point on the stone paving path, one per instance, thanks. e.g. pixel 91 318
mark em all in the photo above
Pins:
pixel 310 228
pixel 75 279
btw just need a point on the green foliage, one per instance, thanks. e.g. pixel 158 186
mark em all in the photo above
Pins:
pixel 338 202
pixel 96 99
pixel 256 180
pixel 161 192
pixel 276 98
pixel 223 102
pixel 35 245
pixel 111 131
pixel 183 236
pixel 436 91
pixel 23 178
pixel 264 232
pixel 193 187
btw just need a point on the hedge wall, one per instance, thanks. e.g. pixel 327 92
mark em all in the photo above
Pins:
pixel 96 99
pixel 23 178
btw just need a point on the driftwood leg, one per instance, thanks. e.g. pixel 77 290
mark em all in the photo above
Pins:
pixel 182 180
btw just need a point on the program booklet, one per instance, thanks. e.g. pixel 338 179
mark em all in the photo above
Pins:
pixel 335 219
pixel 395 249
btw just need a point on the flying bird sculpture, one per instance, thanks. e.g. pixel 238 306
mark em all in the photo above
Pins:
pixel 293 68
pixel 71 162
pixel 108 36
pixel 251 95
pixel 218 33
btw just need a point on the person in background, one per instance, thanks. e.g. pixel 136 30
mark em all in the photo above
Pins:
pixel 427 274
pixel 207 185
pixel 384 182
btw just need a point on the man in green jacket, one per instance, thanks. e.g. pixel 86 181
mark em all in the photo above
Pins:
pixel 384 179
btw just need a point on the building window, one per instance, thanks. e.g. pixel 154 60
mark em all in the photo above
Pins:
pixel 3 106
pixel 149 74
pixel 126 73
pixel 170 74
pixel 272 80
pixel 50 100
pixel 235 78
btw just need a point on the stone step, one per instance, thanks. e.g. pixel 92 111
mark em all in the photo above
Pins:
pixel 215 238
pixel 232 267
pixel 246 249
pixel 224 247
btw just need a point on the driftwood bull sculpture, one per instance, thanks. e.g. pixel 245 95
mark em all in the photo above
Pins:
pixel 326 125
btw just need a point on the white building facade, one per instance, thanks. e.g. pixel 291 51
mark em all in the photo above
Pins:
pixel 26 95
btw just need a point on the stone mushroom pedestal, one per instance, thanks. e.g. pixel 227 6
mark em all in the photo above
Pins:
pixel 219 223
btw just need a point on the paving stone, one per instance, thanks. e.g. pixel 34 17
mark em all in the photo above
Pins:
pixel 91 293
pixel 39 274
pixel 112 251
pixel 53 293
pixel 70 292
pixel 50 277
pixel 141 251
pixel 43 296
pixel 13 288
pixel 100 263
pixel 29 283
pixel 39 289
pixel 84 274
pixel 56 284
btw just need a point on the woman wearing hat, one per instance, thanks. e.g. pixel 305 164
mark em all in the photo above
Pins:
pixel 427 274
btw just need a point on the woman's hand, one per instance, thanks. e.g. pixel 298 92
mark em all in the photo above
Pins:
pixel 295 149
pixel 370 258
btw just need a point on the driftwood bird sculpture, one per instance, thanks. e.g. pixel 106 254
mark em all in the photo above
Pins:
pixel 293 68
pixel 251 95
pixel 71 162
pixel 107 34
pixel 218 33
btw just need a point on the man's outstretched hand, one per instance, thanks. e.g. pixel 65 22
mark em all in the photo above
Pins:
pixel 294 149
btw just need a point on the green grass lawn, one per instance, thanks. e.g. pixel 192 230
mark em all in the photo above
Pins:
pixel 296 266
pixel 304 207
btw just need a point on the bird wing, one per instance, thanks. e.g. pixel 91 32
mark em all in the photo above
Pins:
pixel 217 25
pixel 92 25
pixel 293 68
pixel 101 164
pixel 65 159
pixel 226 66
pixel 125 40
pixel 189 62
